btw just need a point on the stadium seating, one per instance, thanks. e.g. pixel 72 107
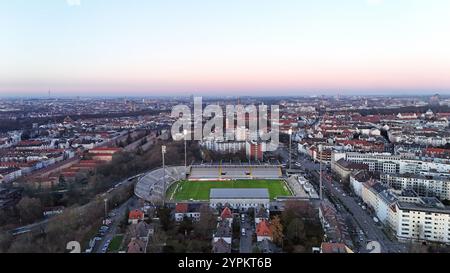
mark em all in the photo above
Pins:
pixel 151 186
pixel 224 172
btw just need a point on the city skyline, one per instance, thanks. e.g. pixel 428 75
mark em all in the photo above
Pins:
pixel 264 48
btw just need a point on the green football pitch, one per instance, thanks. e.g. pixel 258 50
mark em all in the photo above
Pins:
pixel 199 190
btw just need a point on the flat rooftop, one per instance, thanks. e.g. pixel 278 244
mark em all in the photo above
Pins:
pixel 239 194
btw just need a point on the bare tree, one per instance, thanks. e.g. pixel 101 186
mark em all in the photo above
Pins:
pixel 277 230
pixel 30 209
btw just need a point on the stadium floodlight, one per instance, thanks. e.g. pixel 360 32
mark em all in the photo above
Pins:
pixel 185 133
pixel 164 150
pixel 106 208
pixel 320 169
pixel 290 149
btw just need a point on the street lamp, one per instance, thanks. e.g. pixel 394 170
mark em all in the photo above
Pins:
pixel 164 150
pixel 290 149
pixel 106 208
pixel 185 132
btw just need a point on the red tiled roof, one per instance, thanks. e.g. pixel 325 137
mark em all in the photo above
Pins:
pixel 226 213
pixel 333 248
pixel 136 214
pixel 102 154
pixel 263 229
pixel 106 149
pixel 436 151
pixel 181 208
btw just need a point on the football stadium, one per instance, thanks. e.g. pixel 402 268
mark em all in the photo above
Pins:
pixel 175 184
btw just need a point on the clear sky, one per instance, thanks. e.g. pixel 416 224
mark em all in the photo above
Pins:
pixel 244 47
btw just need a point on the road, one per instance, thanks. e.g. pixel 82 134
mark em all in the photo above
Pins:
pixel 119 215
pixel 332 189
pixel 373 231
pixel 246 241
pixel 42 225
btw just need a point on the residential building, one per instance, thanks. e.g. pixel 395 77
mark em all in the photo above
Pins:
pixel 424 185
pixel 9 174
pixel 223 232
pixel 135 216
pixel 335 248
pixel 427 219
pixel 221 246
pixel 379 198
pixel 187 210
pixel 263 231
pixel 344 168
pixel 261 214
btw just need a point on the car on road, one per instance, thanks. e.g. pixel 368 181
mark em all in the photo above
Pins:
pixel 244 232
pixel 104 249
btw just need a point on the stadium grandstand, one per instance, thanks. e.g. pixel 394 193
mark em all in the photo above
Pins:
pixel 234 172
pixel 151 186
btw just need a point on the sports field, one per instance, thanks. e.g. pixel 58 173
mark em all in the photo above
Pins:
pixel 199 190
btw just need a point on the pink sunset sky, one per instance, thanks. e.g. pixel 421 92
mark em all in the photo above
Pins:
pixel 224 47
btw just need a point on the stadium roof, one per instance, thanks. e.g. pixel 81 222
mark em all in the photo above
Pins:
pixel 239 193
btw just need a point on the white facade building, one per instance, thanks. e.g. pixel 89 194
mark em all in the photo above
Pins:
pixel 426 220
pixel 224 146
pixel 380 199
pixel 241 199
pixel 438 186
pixel 388 163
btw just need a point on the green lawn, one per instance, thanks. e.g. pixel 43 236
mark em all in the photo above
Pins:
pixel 199 190
pixel 115 244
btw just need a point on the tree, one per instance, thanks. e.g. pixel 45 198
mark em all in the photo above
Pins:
pixel 129 139
pixel 30 209
pixel 5 241
pixel 164 217
pixel 207 223
pixel 295 231
pixel 26 135
pixel 185 226
pixel 277 230
pixel 3 217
